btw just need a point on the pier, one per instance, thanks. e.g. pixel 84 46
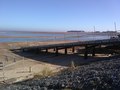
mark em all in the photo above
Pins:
pixel 86 44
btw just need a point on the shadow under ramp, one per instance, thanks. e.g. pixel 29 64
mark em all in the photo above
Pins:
pixel 51 58
pixel 60 59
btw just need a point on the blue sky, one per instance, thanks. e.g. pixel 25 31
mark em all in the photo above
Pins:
pixel 60 15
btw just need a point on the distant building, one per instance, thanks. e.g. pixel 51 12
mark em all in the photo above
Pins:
pixel 97 32
pixel 76 31
pixel 109 32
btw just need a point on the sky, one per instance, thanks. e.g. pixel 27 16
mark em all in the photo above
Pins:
pixel 60 15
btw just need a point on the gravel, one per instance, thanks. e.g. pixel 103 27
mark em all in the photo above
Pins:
pixel 103 75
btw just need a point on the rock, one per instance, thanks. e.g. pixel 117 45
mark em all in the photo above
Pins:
pixel 103 75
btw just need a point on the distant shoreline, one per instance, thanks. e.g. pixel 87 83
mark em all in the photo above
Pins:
pixel 19 36
pixel 25 36
pixel 33 32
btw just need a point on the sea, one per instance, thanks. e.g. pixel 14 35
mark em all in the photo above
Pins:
pixel 26 36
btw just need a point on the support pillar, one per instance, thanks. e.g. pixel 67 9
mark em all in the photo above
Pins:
pixel 86 52
pixel 56 52
pixel 73 49
pixel 65 50
pixel 54 49
pixel 23 50
pixel 93 51
pixel 46 50
pixel 39 50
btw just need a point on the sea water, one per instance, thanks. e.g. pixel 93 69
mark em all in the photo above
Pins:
pixel 49 36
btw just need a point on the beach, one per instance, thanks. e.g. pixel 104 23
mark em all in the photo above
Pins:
pixel 32 70
pixel 24 65
pixel 14 63
pixel 17 66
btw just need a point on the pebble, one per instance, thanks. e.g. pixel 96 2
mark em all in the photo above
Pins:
pixel 104 75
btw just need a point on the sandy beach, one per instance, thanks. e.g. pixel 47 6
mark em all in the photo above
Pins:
pixel 23 65
pixel 17 65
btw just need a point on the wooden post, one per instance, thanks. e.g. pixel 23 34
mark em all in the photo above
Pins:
pixel 93 51
pixel 46 50
pixel 56 51
pixel 39 50
pixel 65 50
pixel 6 58
pixel 100 46
pixel 23 50
pixel 73 49
pixel 86 52
pixel 30 69
pixel 34 50
pixel 14 60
